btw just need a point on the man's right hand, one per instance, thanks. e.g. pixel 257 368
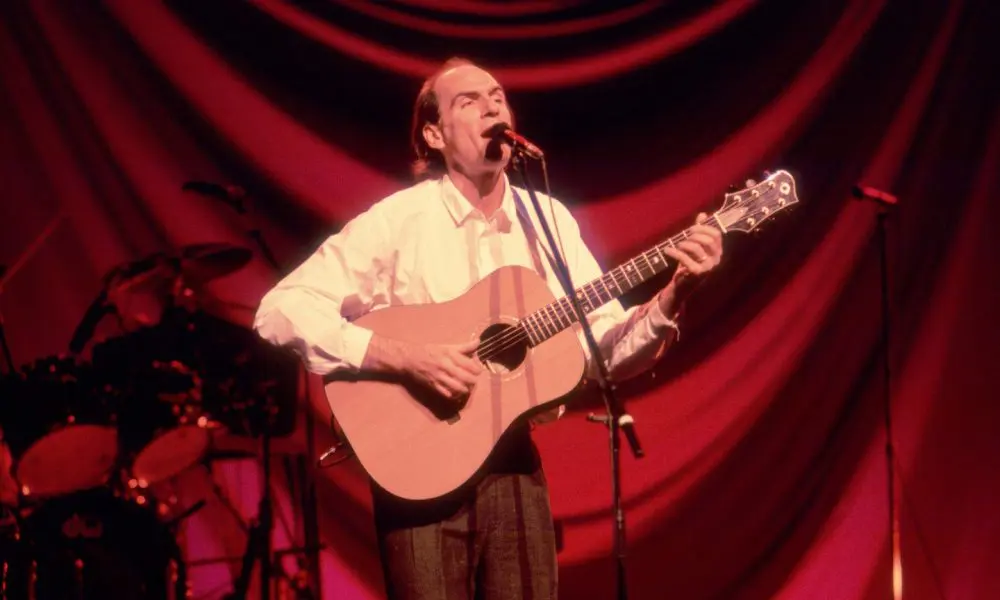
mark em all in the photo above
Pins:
pixel 448 369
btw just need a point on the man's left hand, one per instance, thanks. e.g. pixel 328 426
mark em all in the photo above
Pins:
pixel 696 256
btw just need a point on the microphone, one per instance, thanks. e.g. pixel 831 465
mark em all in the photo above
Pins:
pixel 864 192
pixel 503 132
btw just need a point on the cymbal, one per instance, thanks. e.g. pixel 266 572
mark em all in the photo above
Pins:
pixel 200 263
pixel 138 291
pixel 195 264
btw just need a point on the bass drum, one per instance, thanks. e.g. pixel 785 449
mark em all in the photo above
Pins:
pixel 94 545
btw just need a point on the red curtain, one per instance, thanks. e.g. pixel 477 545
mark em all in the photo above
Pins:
pixel 766 470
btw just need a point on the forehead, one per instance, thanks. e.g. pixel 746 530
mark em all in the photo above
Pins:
pixel 463 78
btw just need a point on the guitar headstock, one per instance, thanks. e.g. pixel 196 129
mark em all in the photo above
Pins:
pixel 746 209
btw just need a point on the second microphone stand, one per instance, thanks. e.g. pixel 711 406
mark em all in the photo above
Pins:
pixel 617 419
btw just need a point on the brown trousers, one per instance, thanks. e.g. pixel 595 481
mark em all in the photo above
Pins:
pixel 499 543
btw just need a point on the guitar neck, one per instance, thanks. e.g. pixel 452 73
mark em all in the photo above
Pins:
pixel 557 316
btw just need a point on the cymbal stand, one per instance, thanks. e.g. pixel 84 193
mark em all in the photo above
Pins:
pixel 3 336
pixel 259 536
pixel 6 273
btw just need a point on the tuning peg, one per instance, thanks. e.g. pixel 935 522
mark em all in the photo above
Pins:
pixel 750 183
pixel 767 174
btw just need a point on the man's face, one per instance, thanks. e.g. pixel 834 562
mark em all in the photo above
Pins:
pixel 470 101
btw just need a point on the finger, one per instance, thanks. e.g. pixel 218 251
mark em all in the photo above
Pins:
pixel 684 259
pixel 701 218
pixel 712 232
pixel 705 241
pixel 467 348
pixel 694 250
pixel 453 385
pixel 462 374
pixel 465 364
pixel 442 390
pixel 708 248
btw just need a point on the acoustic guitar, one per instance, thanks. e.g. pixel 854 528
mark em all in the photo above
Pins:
pixel 418 445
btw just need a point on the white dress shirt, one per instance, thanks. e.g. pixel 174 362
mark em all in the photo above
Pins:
pixel 425 244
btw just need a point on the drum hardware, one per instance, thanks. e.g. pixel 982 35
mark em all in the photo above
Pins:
pixel 94 545
pixel 53 415
pixel 143 403
pixel 259 545
pixel 7 273
pixel 3 336
pixel 139 293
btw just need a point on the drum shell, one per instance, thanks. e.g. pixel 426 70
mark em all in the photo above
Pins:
pixel 58 422
pixel 92 544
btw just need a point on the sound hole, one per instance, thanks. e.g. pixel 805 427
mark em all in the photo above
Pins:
pixel 502 347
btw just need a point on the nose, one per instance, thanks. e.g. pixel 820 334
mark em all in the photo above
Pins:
pixel 491 108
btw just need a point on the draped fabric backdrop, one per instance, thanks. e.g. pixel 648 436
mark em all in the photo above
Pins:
pixel 765 474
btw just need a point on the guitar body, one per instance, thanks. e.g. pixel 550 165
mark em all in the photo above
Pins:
pixel 418 446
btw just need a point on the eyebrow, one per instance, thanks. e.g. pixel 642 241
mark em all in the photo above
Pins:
pixel 493 90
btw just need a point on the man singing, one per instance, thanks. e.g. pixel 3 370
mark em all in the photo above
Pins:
pixel 429 243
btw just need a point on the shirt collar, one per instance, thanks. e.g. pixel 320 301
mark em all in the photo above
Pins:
pixel 461 209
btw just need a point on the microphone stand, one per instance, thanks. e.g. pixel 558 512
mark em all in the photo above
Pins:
pixel 884 202
pixel 890 451
pixel 617 419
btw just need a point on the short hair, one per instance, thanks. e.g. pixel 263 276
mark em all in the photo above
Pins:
pixel 429 163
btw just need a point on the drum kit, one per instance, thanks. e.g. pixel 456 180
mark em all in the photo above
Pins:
pixel 87 436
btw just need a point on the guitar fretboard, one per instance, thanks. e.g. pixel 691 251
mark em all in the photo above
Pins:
pixel 557 316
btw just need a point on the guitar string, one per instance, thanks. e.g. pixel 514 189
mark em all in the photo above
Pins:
pixel 516 334
pixel 496 344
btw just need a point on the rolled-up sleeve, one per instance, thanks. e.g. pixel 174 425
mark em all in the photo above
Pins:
pixel 310 310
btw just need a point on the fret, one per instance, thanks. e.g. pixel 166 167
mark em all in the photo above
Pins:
pixel 660 254
pixel 563 312
pixel 529 328
pixel 649 265
pixel 550 321
pixel 584 306
pixel 591 290
pixel 543 333
pixel 629 270
pixel 607 292
pixel 539 328
pixel 594 296
pixel 568 311
pixel 539 325
pixel 617 285
pixel 624 279
pixel 561 315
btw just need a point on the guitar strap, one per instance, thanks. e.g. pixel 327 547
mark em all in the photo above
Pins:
pixel 534 243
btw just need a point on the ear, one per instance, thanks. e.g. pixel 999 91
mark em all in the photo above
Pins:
pixel 433 137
